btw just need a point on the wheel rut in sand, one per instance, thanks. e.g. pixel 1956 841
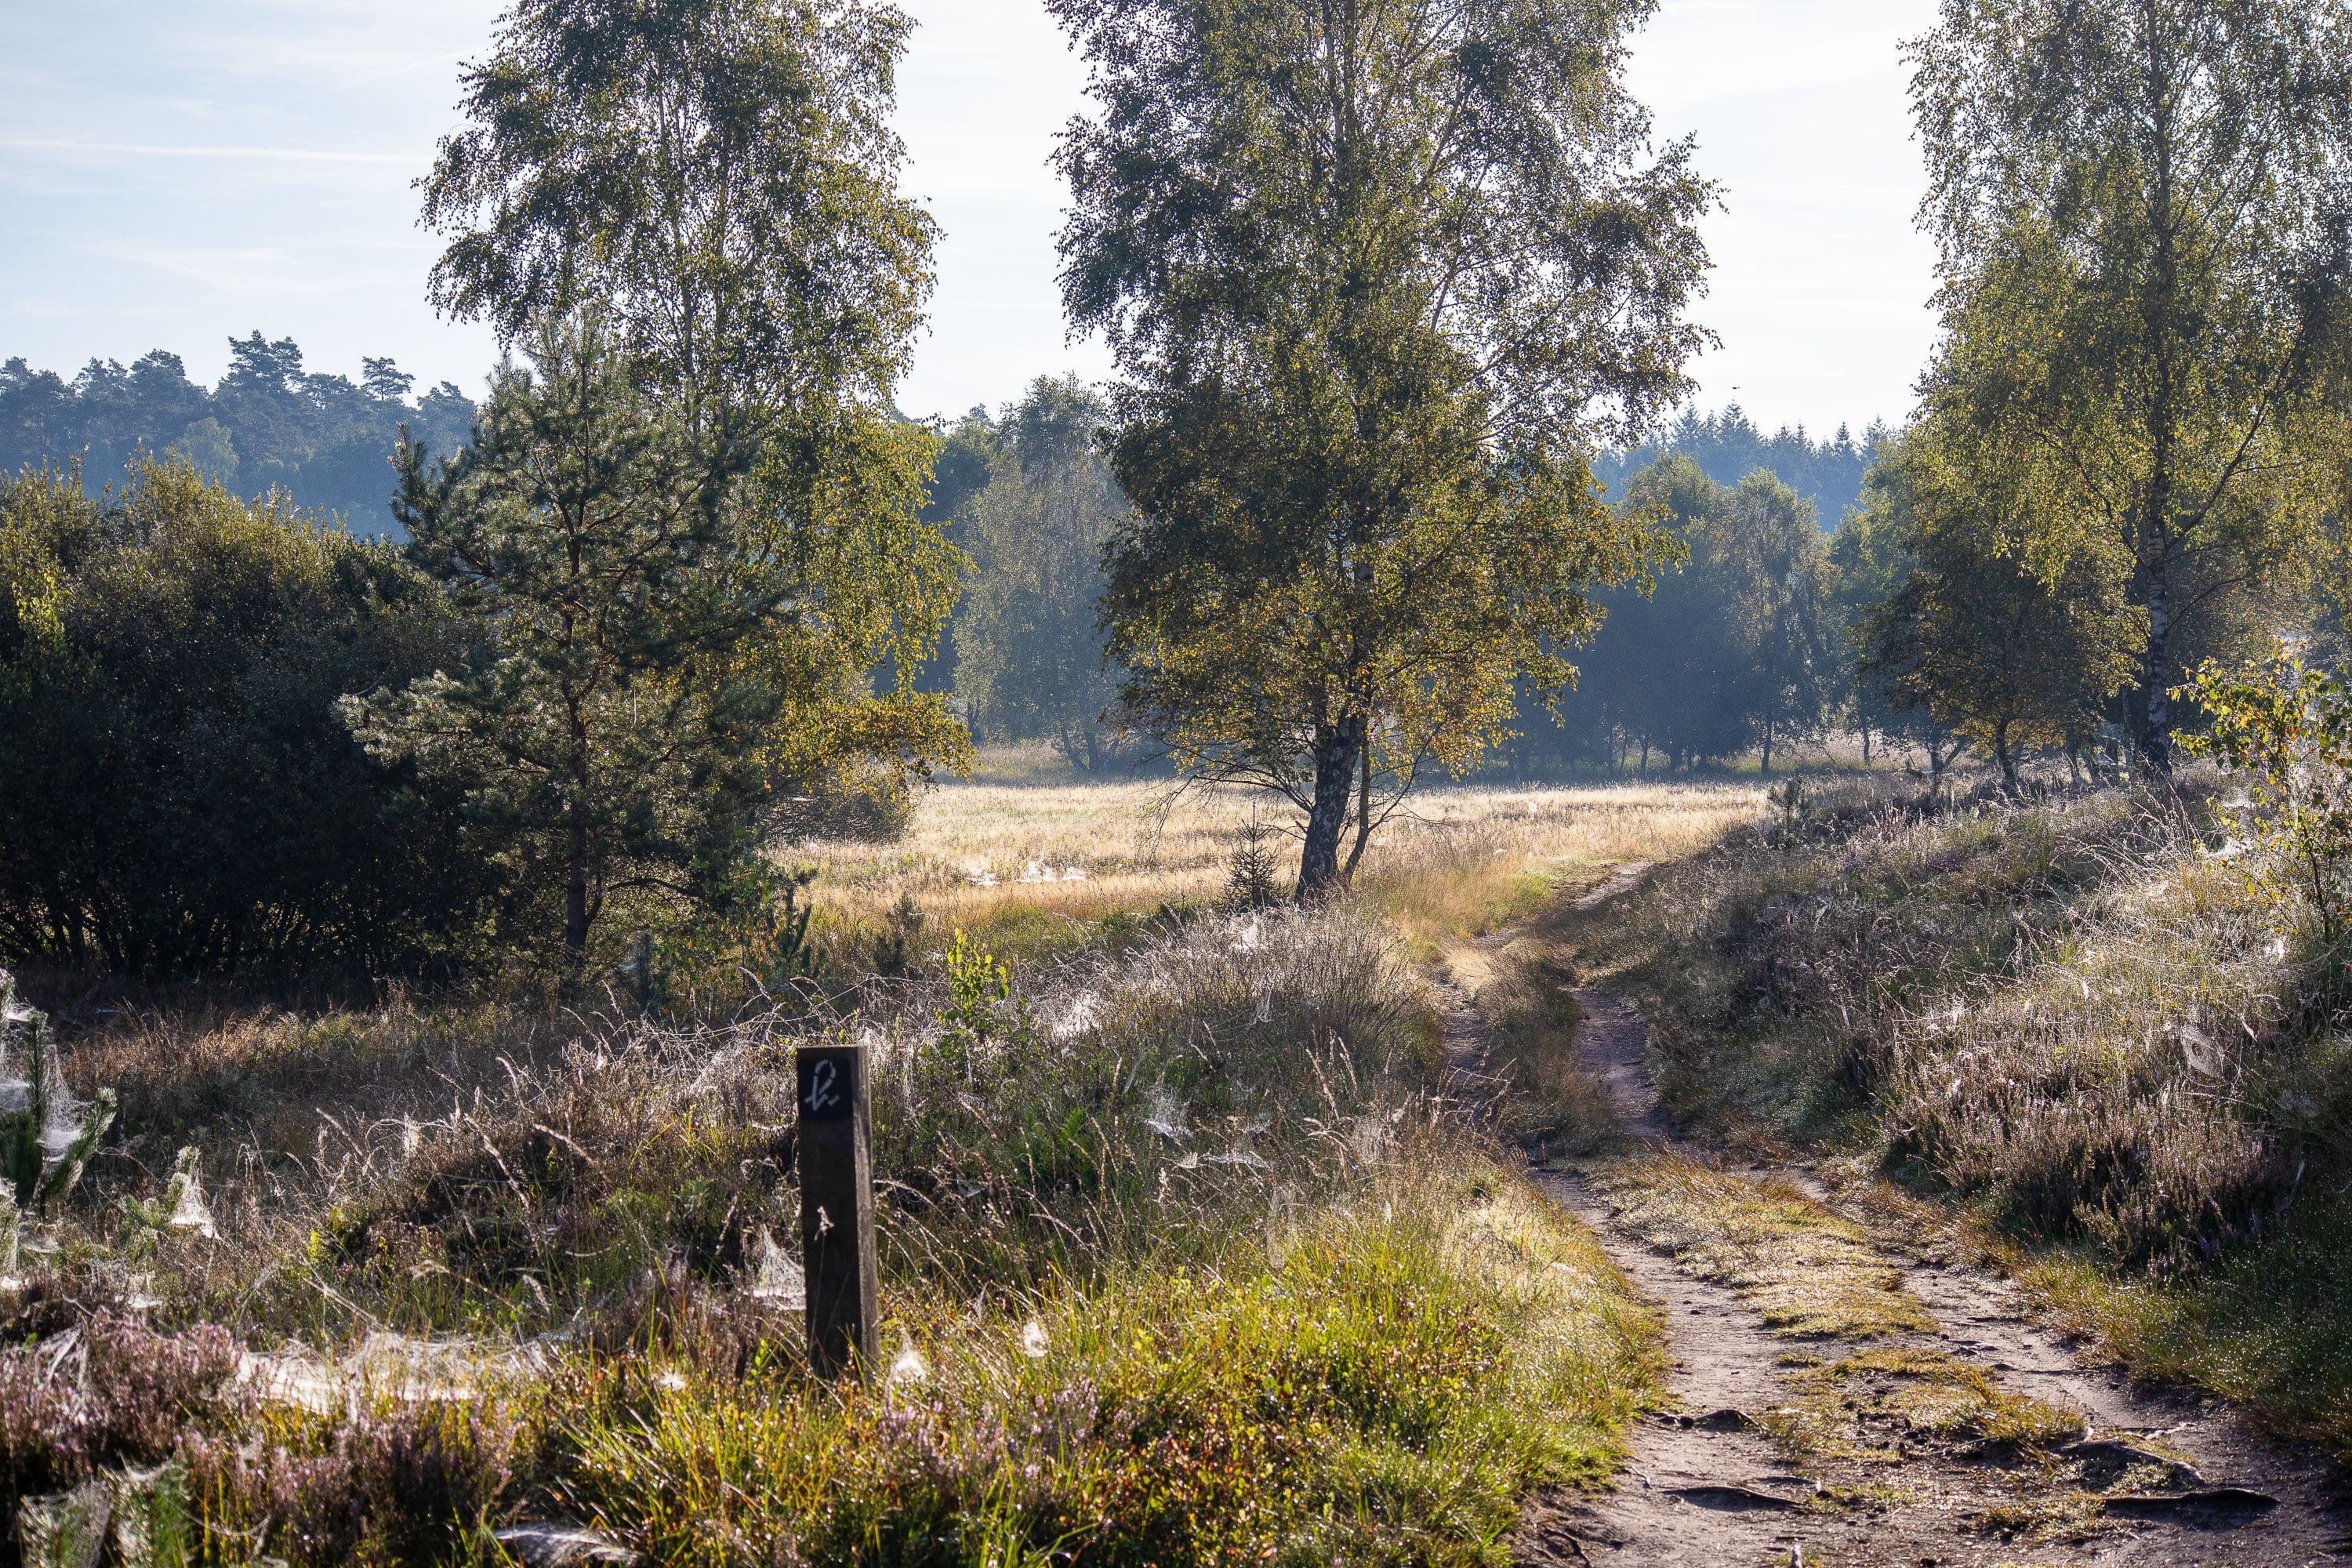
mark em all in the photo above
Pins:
pixel 1827 1451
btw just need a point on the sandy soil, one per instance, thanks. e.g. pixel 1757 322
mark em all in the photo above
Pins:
pixel 2175 1482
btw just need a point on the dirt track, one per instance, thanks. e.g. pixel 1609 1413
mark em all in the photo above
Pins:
pixel 2155 1479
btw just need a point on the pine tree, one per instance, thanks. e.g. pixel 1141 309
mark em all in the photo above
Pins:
pixel 614 739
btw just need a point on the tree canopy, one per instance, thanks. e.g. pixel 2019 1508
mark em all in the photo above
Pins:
pixel 1727 447
pixel 1029 651
pixel 1971 638
pixel 2146 234
pixel 324 440
pixel 177 791
pixel 1379 278
pixel 720 178
pixel 696 524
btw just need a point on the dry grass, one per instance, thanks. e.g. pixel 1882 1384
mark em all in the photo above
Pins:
pixel 1878 1406
pixel 2123 1066
pixel 995 854
pixel 1292 1302
pixel 2065 1005
pixel 1809 1273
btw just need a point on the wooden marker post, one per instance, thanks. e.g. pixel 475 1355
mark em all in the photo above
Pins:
pixel 836 1167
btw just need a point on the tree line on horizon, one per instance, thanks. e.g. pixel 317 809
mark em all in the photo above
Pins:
pixel 270 424
pixel 1386 487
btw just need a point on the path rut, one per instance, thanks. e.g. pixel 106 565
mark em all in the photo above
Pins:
pixel 1704 1487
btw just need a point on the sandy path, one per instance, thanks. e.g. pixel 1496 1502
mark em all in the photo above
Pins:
pixel 1703 1487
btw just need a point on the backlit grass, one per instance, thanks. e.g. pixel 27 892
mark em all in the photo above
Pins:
pixel 1807 1272
pixel 2072 1021
pixel 1186 1255
pixel 1384 1389
pixel 996 856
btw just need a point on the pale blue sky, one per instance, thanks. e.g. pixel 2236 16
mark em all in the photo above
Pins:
pixel 175 173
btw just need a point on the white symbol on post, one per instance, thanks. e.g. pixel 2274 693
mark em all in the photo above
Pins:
pixel 822 1095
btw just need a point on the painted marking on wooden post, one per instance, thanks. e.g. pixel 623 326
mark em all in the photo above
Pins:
pixel 837 1205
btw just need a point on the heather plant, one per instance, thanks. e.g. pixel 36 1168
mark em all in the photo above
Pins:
pixel 1114 1190
pixel 2075 1014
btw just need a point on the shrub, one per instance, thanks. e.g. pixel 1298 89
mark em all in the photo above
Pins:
pixel 854 807
pixel 176 790
pixel 2290 727
pixel 2070 1010
pixel 120 1393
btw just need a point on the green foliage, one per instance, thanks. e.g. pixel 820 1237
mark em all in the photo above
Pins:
pixel 2146 303
pixel 1251 875
pixel 1870 559
pixel 894 947
pixel 2290 727
pixel 1727 447
pixel 1983 644
pixel 1371 319
pixel 981 1007
pixel 753 945
pixel 719 178
pixel 1734 648
pixel 653 683
pixel 268 425
pixel 1386 1392
pixel 1768 552
pixel 1029 652
pixel 601 744
pixel 705 197
pixel 1667 670
pixel 176 791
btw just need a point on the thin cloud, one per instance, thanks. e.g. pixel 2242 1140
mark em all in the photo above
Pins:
pixel 139 149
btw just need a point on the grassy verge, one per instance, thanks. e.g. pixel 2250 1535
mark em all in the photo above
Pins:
pixel 2071 1020
pixel 1385 1389
pixel 1183 1260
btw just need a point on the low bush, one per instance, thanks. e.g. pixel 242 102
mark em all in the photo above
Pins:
pixel 176 791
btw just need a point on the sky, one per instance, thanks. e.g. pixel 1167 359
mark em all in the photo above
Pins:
pixel 174 172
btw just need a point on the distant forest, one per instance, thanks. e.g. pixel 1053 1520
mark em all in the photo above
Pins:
pixel 1728 448
pixel 1019 657
pixel 326 440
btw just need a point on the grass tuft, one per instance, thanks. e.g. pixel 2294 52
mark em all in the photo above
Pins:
pixel 1808 1273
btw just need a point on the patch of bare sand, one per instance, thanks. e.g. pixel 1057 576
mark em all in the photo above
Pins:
pixel 1977 1440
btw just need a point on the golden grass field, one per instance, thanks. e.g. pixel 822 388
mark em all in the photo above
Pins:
pixel 997 852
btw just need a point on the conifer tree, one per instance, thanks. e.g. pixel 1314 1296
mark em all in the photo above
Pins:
pixel 644 698
pixel 699 522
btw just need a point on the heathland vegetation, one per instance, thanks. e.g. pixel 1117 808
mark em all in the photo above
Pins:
pixel 1184 788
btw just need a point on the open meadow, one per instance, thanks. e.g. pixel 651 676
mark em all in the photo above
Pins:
pixel 1033 856
pixel 1189 1252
